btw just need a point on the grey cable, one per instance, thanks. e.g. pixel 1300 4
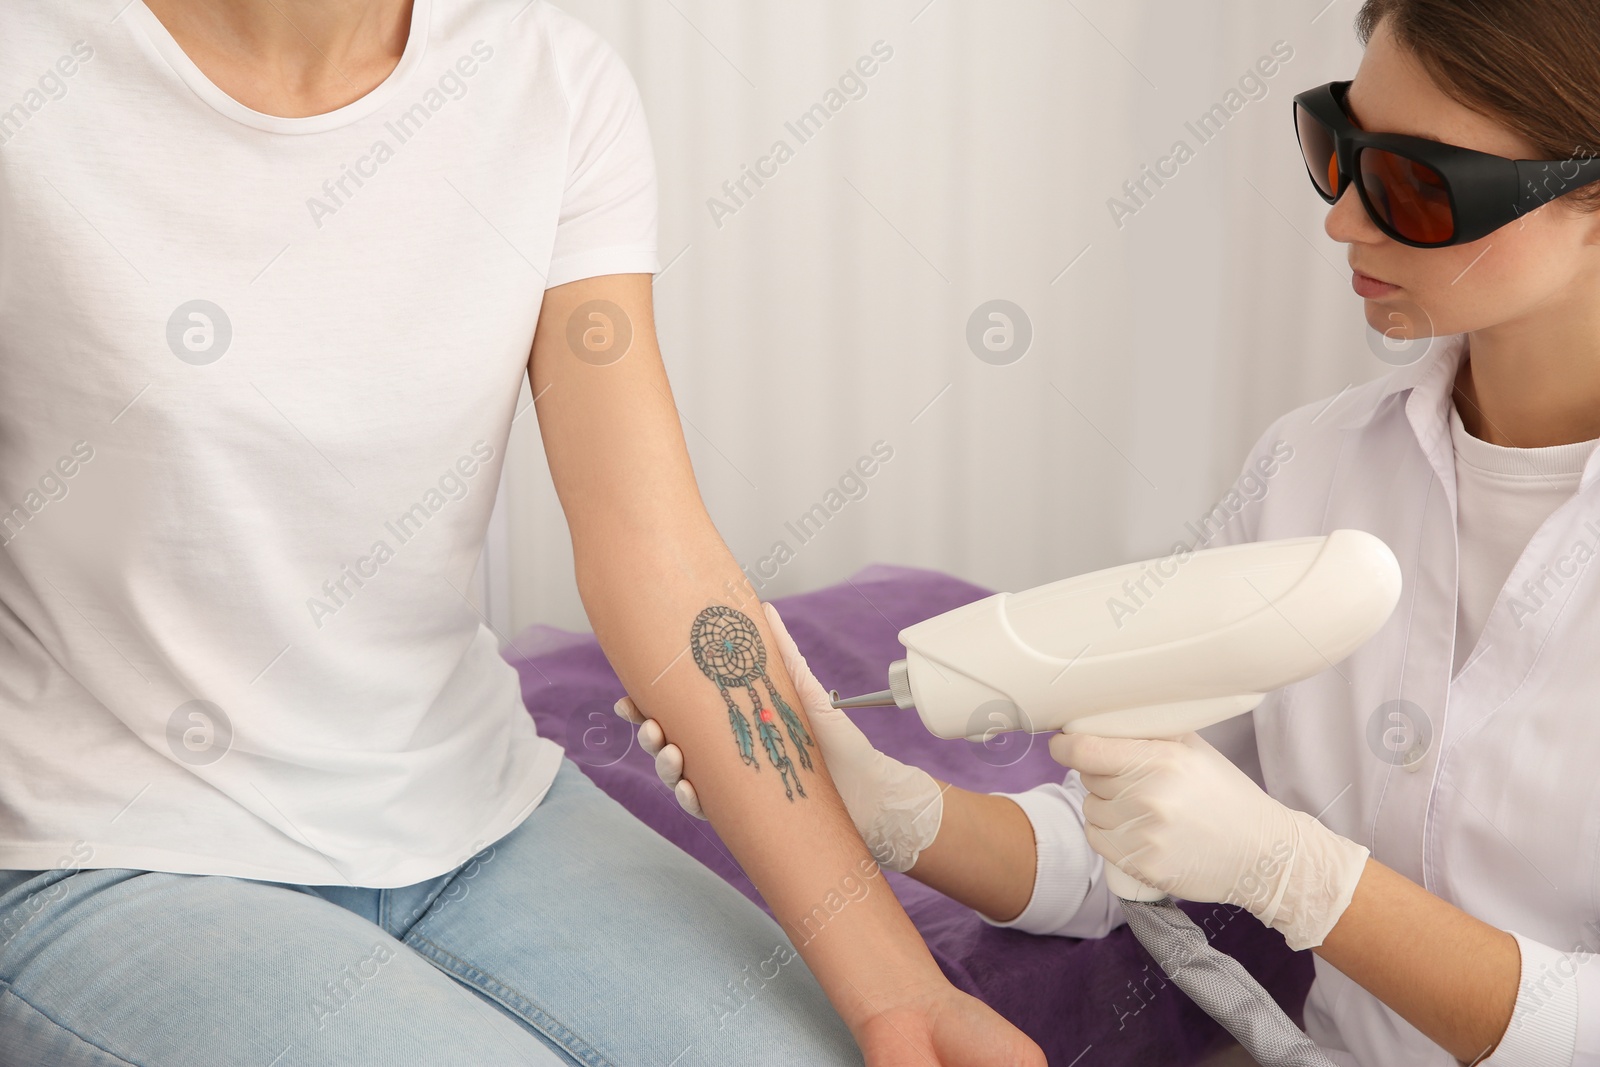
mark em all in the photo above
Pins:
pixel 1220 986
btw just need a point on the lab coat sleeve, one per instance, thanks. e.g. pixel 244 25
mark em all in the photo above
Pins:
pixel 1547 1026
pixel 1070 898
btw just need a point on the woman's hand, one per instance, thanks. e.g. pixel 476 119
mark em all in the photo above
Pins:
pixel 940 1026
pixel 896 808
pixel 1178 815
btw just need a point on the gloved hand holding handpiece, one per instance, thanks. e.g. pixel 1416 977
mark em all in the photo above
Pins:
pixel 1178 815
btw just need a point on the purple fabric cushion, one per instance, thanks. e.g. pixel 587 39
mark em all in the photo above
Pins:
pixel 1067 994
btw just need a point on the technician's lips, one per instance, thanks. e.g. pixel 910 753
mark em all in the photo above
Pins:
pixel 1370 288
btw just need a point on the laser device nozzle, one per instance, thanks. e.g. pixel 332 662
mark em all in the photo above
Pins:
pixel 898 695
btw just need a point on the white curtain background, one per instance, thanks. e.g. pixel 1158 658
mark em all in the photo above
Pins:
pixel 829 310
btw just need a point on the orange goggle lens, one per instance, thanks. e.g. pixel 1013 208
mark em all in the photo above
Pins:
pixel 1410 196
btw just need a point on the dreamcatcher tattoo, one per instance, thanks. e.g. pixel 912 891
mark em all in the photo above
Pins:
pixel 728 649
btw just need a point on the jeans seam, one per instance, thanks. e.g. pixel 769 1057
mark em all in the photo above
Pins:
pixel 11 991
pixel 511 999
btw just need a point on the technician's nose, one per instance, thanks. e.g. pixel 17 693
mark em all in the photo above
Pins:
pixel 1347 220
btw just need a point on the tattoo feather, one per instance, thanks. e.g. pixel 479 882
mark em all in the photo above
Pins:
pixel 741 733
pixel 773 742
pixel 792 723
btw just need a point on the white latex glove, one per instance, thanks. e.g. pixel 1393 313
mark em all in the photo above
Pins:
pixel 896 808
pixel 1178 815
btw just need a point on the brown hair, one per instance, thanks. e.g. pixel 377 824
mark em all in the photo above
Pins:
pixel 1532 65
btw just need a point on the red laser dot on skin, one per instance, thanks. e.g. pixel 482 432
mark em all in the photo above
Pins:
pixel 766 715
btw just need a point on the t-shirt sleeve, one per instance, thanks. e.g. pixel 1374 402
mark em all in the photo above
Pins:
pixel 607 223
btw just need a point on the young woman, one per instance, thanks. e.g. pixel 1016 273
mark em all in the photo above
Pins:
pixel 271 274
pixel 1449 882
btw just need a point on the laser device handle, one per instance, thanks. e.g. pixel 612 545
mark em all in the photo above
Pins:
pixel 1224 627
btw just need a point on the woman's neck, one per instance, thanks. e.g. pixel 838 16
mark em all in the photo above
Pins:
pixel 290 57
pixel 1534 382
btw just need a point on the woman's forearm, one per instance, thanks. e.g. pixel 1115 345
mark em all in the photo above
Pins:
pixel 1448 974
pixel 653 572
pixel 984 856
pixel 784 823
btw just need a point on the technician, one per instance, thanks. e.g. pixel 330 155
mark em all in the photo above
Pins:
pixel 1425 814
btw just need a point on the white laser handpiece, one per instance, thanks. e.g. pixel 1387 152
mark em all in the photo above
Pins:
pixel 1146 650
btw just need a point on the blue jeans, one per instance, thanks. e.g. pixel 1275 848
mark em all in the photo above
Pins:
pixel 581 937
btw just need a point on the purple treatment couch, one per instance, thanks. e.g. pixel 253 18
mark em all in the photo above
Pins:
pixel 1088 1003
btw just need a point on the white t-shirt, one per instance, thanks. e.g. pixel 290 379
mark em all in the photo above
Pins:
pixel 256 380
pixel 1502 496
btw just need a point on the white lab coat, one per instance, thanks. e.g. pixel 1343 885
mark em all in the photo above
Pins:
pixel 1499 813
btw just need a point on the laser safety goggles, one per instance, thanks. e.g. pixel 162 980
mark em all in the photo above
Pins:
pixel 1424 193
